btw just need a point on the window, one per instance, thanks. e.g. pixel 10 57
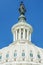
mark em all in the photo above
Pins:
pixel 7 55
pixel 15 54
pixel 17 33
pixel 23 54
pixel 21 33
pixel 31 55
pixel 25 34
pixel 0 56
pixel 38 56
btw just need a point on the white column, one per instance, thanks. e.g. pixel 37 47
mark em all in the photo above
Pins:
pixel 27 34
pixel 16 34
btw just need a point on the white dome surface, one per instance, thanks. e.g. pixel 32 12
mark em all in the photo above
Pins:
pixel 32 53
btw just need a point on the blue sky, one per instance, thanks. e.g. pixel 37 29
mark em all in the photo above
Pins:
pixel 9 16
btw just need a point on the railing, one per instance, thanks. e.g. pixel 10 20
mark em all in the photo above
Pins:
pixel 21 63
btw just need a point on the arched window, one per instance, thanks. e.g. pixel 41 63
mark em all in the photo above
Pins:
pixel 25 33
pixel 17 33
pixel 21 33
pixel 38 56
pixel 15 54
pixel 31 55
pixel 23 54
pixel 7 55
pixel 0 57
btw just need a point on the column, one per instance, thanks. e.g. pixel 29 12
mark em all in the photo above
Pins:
pixel 16 34
pixel 27 34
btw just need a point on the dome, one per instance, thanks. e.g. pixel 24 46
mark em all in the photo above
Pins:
pixel 21 51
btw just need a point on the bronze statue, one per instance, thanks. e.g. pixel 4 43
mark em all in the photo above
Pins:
pixel 22 9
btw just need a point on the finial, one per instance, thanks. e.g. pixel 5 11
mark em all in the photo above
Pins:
pixel 22 9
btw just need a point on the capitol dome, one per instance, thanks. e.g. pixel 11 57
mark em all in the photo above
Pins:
pixel 21 51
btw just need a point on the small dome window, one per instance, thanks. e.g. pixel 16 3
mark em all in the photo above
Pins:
pixel 38 56
pixel 21 33
pixel 15 54
pixel 31 55
pixel 23 54
pixel 0 56
pixel 7 55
